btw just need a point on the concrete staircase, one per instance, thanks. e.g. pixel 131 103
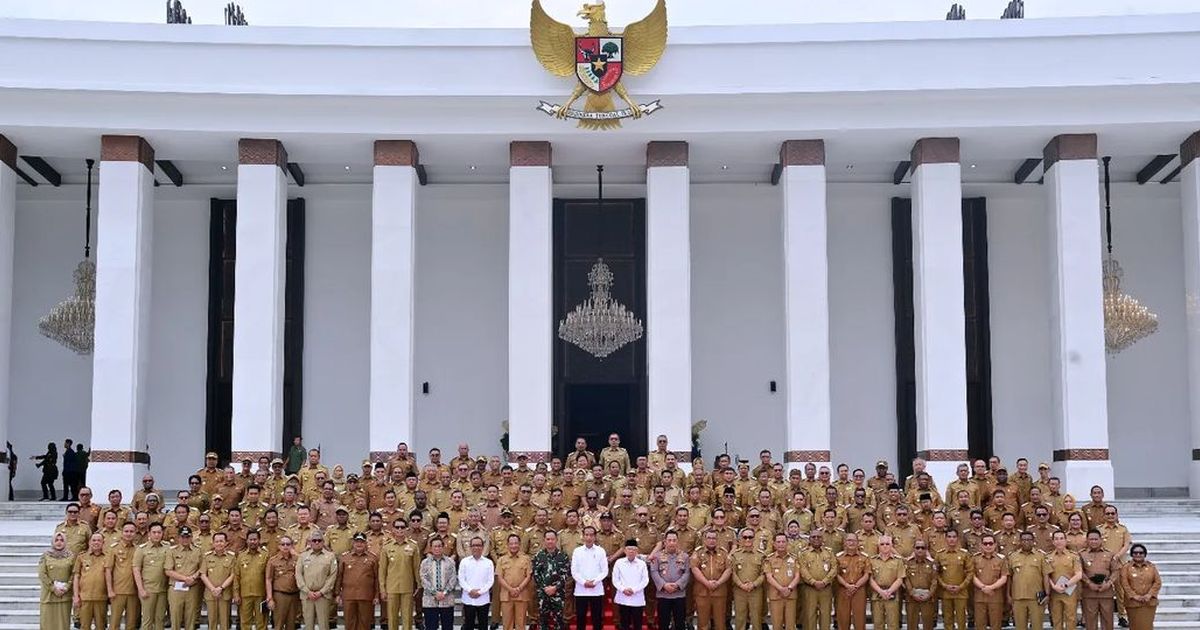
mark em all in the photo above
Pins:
pixel 1169 527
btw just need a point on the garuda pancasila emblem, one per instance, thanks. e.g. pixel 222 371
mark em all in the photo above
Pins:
pixel 598 58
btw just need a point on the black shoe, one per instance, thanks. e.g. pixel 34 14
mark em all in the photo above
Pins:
pixel 1123 622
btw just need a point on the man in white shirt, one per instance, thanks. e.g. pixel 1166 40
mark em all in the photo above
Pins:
pixel 630 578
pixel 476 573
pixel 589 567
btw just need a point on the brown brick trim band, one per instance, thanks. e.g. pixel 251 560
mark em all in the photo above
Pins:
pixel 127 149
pixel 1069 146
pixel 383 456
pixel 944 455
pixel 253 456
pixel 262 151
pixel 934 151
pixel 396 153
pixel 1189 150
pixel 1081 455
pixel 673 153
pixel 816 457
pixel 802 153
pixel 8 152
pixel 533 153
pixel 119 457
pixel 534 456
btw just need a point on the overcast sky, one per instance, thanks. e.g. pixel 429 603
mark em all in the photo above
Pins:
pixel 515 13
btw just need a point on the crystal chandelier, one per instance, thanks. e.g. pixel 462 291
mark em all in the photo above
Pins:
pixel 1126 321
pixel 600 325
pixel 72 322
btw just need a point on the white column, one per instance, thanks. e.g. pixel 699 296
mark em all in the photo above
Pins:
pixel 669 296
pixel 806 302
pixel 8 208
pixel 530 300
pixel 1189 179
pixel 258 306
pixel 124 229
pixel 393 261
pixel 1077 362
pixel 938 318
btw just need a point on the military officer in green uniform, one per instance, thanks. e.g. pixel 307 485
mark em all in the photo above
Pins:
pixel 550 570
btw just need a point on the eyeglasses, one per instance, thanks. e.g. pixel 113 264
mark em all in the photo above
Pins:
pixel 988 543
pixel 747 538
pixel 1137 553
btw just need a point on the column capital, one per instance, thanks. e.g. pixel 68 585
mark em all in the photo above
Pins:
pixel 669 153
pixel 1069 146
pixel 1189 150
pixel 127 149
pixel 802 153
pixel 396 153
pixel 529 153
pixel 8 152
pixel 934 151
pixel 262 151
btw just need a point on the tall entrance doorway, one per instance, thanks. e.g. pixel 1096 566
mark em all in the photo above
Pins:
pixel 594 397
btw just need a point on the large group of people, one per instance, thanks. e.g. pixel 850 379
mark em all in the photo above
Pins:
pixel 736 545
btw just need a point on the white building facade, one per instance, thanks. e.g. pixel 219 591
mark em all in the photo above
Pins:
pixel 769 182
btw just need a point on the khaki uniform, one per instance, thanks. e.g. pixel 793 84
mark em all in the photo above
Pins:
pixel 77 536
pixel 921 575
pixel 339 540
pixel 885 613
pixel 358 586
pixel 711 603
pixel 748 604
pixel 781 571
pixel 515 571
pixel 615 454
pixel 903 538
pixel 1024 584
pixel 399 573
pixel 55 610
pixel 150 562
pixel 956 568
pixel 284 592
pixel 1055 565
pixel 250 584
pixel 92 590
pixel 126 603
pixel 316 573
pixel 183 600
pixel 817 567
pixel 1098 605
pixel 1141 581
pixel 989 607
pixel 851 609
pixel 218 567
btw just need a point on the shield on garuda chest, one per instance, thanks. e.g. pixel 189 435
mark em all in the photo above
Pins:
pixel 598 61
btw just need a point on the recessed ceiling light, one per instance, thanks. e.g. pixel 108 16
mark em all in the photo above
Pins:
pixel 972 166
pixel 224 168
pixel 471 167
pixel 849 167
pixel 347 167
pixel 724 167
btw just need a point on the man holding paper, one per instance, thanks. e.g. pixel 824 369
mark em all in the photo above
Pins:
pixel 1062 571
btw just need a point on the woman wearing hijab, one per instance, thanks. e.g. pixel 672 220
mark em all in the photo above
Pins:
pixel 49 465
pixel 54 572
pixel 1141 583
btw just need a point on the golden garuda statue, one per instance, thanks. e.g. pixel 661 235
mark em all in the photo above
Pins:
pixel 598 58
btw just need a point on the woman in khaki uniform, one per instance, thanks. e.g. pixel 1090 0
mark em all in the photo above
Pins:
pixel 54 572
pixel 1141 582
